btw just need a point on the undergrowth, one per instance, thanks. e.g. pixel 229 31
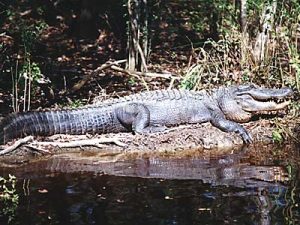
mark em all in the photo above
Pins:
pixel 9 198
pixel 231 58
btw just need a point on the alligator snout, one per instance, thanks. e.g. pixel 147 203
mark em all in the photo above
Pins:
pixel 282 93
pixel 267 93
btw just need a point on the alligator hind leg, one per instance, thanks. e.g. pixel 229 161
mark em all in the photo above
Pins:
pixel 136 117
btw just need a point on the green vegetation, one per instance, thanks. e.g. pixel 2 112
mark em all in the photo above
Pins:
pixel 24 83
pixel 9 198
pixel 25 73
pixel 8 189
pixel 73 104
pixel 203 43
pixel 277 136
pixel 232 56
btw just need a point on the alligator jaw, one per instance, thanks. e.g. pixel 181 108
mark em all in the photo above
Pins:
pixel 257 99
pixel 252 105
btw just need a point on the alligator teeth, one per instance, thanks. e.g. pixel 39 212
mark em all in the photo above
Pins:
pixel 278 100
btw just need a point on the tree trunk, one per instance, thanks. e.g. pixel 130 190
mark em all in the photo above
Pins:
pixel 266 24
pixel 137 35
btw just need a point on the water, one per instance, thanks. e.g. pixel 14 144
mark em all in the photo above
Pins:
pixel 249 186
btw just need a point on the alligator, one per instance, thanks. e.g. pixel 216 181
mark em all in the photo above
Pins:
pixel 152 111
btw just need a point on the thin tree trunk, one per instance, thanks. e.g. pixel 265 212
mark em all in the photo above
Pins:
pixel 137 35
pixel 132 35
pixel 145 34
pixel 243 15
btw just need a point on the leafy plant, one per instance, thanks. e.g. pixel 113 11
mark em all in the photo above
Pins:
pixel 216 63
pixel 73 104
pixel 30 35
pixel 26 78
pixel 277 136
pixel 9 197
pixel 192 77
pixel 8 189
pixel 24 83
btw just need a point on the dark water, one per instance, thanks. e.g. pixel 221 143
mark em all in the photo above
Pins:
pixel 223 189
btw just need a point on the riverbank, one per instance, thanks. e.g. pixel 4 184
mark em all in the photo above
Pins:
pixel 182 140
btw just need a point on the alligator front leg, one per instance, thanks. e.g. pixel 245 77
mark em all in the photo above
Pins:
pixel 136 117
pixel 229 126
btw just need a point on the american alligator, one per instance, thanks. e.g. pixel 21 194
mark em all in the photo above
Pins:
pixel 152 111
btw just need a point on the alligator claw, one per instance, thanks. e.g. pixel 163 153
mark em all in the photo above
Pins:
pixel 247 138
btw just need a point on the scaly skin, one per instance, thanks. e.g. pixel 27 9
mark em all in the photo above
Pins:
pixel 149 112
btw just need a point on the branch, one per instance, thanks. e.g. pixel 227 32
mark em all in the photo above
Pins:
pixel 36 145
pixel 86 78
pixel 148 74
pixel 79 143
pixel 16 145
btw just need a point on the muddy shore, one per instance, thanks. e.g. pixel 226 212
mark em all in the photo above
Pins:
pixel 188 140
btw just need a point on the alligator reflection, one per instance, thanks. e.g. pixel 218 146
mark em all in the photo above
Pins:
pixel 209 190
pixel 229 169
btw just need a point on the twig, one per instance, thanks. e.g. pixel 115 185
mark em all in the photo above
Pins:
pixel 171 83
pixel 16 145
pixel 31 145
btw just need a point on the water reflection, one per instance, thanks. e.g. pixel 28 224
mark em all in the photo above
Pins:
pixel 223 189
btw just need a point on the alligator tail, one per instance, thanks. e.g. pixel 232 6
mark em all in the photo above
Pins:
pixel 45 123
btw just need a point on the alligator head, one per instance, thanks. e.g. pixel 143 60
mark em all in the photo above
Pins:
pixel 240 103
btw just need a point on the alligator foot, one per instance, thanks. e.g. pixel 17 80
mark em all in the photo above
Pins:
pixel 246 136
pixel 230 126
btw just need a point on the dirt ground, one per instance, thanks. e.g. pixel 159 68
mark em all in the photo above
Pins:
pixel 185 140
